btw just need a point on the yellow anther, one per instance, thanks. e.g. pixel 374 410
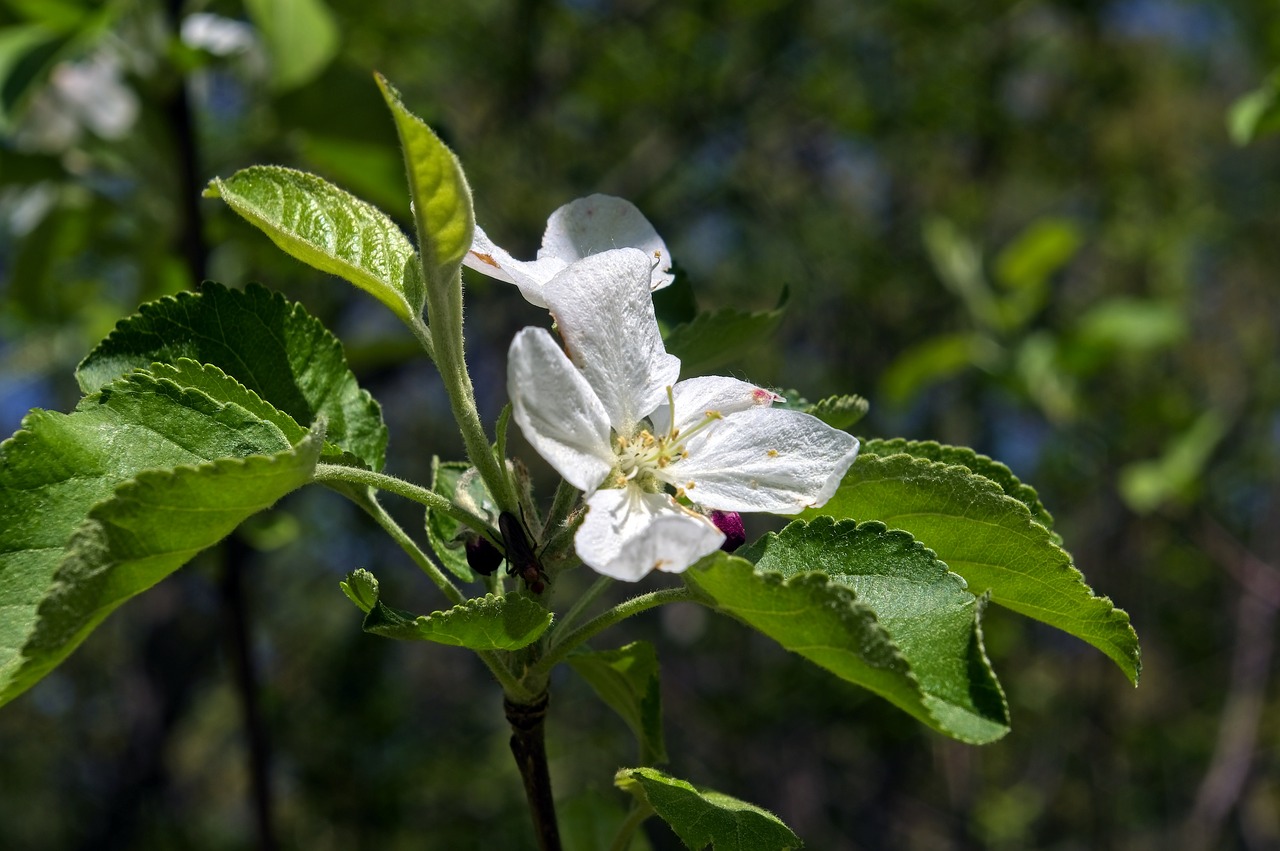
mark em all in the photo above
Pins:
pixel 773 453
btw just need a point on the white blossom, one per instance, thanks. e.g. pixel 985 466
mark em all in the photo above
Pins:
pixel 608 413
pixel 579 229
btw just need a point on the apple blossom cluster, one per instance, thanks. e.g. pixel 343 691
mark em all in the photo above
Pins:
pixel 654 456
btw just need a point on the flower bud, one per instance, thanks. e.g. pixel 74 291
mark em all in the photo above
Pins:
pixel 730 523
pixel 483 556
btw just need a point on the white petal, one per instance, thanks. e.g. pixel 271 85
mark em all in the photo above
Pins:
pixel 694 397
pixel 604 313
pixel 627 533
pixel 530 276
pixel 601 223
pixel 765 459
pixel 557 411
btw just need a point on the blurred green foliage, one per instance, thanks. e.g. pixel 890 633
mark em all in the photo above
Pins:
pixel 1025 227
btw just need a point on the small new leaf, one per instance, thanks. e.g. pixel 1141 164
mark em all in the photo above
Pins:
pixel 361 588
pixel 329 229
pixel 704 818
pixel 481 623
pixel 441 197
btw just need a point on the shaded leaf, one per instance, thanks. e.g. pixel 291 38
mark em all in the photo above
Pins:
pixel 272 347
pixel 627 679
pixel 705 818
pixel 989 538
pixel 711 340
pixel 329 229
pixel 66 563
pixel 481 623
pixel 301 36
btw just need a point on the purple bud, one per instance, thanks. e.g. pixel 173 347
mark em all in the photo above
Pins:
pixel 483 556
pixel 730 523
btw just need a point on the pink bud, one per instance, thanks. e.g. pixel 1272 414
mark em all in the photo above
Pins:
pixel 730 523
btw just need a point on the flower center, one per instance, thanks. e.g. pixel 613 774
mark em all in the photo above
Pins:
pixel 643 454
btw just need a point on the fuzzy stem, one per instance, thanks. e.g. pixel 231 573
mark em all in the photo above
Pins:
pixel 603 621
pixel 627 830
pixel 580 605
pixel 401 537
pixel 408 490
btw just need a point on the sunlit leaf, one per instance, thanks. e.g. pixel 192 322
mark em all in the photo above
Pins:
pixel 481 623
pixel 980 464
pixel 989 538
pixel 294 363
pixel 884 614
pixel 328 229
pixel 704 818
pixel 441 197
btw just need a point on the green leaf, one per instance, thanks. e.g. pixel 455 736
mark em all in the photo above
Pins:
pixel 702 817
pixel 1035 254
pixel 627 680
pixel 589 821
pixel 926 611
pixel 328 229
pixel 361 588
pixel 75 546
pixel 1146 485
pixel 840 412
pixel 452 480
pixel 441 197
pixel 481 623
pixel 1256 113
pixel 301 35
pixel 272 347
pixel 937 359
pixel 711 340
pixel 966 457
pixel 989 538
pixel 882 612
pixel 1129 324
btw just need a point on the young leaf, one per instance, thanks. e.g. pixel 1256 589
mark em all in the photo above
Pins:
pixel 966 457
pixel 989 538
pixel 627 679
pixel 327 228
pixel 295 364
pixel 705 818
pixel 713 339
pixel 913 640
pixel 56 591
pixel 442 530
pixel 441 197
pixel 361 588
pixel 481 623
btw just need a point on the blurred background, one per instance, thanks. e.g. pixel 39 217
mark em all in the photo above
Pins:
pixel 1045 229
